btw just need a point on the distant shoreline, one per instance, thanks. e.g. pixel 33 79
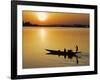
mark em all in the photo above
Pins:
pixel 57 26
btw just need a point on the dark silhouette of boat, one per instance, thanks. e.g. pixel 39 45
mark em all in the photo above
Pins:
pixel 70 53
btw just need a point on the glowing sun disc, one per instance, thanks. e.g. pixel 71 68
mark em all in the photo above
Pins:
pixel 42 16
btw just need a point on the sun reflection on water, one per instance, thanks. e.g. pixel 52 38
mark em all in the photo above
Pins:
pixel 42 34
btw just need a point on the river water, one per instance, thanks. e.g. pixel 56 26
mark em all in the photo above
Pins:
pixel 36 39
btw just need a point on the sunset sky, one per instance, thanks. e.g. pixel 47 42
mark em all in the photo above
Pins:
pixel 49 18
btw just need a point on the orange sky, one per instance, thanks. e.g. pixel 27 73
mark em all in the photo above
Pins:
pixel 56 18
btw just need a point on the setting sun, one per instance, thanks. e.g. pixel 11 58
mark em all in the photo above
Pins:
pixel 42 16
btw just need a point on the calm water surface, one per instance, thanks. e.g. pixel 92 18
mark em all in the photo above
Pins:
pixel 37 39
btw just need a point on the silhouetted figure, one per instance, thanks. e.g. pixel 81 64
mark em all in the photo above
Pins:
pixel 70 53
pixel 64 50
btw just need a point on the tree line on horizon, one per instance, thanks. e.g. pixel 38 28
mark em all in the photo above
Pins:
pixel 25 24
